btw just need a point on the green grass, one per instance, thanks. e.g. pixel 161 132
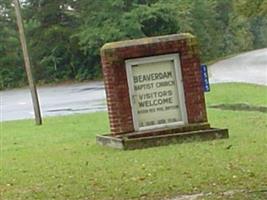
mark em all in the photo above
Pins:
pixel 231 93
pixel 60 160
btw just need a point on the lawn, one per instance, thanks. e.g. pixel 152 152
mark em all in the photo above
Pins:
pixel 60 160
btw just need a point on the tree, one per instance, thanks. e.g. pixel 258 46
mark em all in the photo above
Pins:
pixel 55 52
pixel 255 12
pixel 65 36
pixel 204 27
pixel 11 64
pixel 107 21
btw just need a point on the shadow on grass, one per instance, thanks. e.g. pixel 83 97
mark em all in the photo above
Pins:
pixel 240 107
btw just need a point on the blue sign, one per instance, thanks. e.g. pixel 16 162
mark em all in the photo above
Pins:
pixel 205 78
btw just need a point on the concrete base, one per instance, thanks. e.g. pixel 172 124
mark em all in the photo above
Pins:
pixel 141 140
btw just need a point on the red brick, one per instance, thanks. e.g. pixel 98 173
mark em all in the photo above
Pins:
pixel 113 66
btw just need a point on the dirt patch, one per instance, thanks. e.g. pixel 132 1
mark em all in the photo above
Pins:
pixel 189 197
pixel 258 194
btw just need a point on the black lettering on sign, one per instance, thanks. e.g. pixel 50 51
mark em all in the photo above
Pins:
pixel 164 84
pixel 142 111
pixel 160 109
pixel 152 110
pixel 154 95
pixel 165 93
pixel 148 96
pixel 155 102
pixel 162 121
pixel 171 107
pixel 147 86
pixel 150 123
pixel 172 120
pixel 152 77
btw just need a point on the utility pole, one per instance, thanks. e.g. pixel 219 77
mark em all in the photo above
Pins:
pixel 35 101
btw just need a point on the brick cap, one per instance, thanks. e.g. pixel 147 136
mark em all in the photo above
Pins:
pixel 147 40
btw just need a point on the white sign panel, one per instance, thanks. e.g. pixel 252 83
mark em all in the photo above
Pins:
pixel 156 91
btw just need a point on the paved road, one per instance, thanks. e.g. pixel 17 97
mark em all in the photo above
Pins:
pixel 249 67
pixel 60 100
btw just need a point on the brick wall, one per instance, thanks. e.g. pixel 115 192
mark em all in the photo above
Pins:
pixel 113 56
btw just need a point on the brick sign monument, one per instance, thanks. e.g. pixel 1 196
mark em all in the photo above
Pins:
pixel 155 93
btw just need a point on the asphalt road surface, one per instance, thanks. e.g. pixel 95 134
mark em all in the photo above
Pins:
pixel 59 100
pixel 250 67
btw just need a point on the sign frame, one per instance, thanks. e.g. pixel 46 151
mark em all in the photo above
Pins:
pixel 175 58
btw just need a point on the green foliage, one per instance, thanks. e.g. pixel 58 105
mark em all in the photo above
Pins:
pixel 53 49
pixel 11 65
pixel 204 27
pixel 65 36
